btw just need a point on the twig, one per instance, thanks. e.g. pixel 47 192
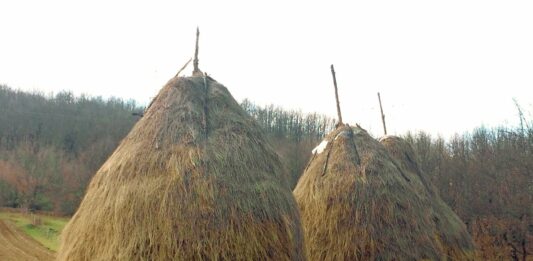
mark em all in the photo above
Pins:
pixel 184 66
pixel 382 115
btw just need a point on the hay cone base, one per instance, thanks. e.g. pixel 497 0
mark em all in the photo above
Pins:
pixel 450 231
pixel 193 180
pixel 358 203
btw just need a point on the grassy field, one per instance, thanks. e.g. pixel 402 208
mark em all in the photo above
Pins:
pixel 44 229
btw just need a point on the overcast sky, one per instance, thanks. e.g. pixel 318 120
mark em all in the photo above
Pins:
pixel 441 66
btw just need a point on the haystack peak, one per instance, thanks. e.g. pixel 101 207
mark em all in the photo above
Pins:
pixel 195 179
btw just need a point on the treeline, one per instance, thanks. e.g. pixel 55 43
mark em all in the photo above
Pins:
pixel 292 133
pixel 487 178
pixel 50 146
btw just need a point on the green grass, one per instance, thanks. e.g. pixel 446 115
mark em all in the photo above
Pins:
pixel 47 233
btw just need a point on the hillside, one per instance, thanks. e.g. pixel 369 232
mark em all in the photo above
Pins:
pixel 51 146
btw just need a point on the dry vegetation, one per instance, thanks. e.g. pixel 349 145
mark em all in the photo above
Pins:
pixel 194 179
pixel 358 203
pixel 450 229
pixel 486 178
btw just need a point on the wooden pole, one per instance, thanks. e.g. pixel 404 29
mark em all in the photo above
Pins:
pixel 382 115
pixel 336 95
pixel 196 71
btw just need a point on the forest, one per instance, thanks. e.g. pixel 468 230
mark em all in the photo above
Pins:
pixel 51 145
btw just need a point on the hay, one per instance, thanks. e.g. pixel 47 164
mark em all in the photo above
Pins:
pixel 193 180
pixel 456 243
pixel 358 203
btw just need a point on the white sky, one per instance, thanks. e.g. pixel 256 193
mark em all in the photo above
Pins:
pixel 441 66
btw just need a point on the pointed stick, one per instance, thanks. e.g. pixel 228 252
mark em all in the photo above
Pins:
pixel 196 71
pixel 336 95
pixel 382 115
pixel 184 66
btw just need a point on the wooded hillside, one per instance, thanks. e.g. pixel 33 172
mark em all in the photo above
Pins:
pixel 487 178
pixel 50 146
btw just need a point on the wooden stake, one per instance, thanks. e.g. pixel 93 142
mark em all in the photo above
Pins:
pixel 382 115
pixel 196 71
pixel 336 95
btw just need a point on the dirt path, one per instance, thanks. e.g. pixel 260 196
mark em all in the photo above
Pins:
pixel 15 245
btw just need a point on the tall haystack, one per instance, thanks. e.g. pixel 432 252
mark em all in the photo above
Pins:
pixel 357 202
pixel 193 180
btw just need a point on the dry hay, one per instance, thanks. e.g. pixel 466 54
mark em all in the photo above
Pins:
pixel 455 240
pixel 193 180
pixel 358 203
pixel 16 245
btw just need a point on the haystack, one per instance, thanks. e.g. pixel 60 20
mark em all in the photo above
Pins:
pixel 357 202
pixel 194 180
